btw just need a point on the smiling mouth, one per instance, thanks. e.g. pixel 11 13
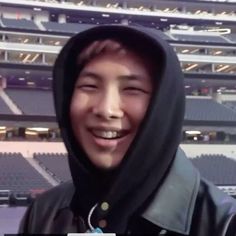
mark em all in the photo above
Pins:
pixel 109 135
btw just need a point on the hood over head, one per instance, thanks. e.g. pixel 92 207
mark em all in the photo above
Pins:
pixel 152 151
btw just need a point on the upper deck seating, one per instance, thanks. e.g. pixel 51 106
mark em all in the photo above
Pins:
pixel 207 110
pixel 32 101
pixel 65 27
pixel 18 176
pixel 200 38
pixel 19 24
pixel 55 164
pixel 217 168
pixel 4 109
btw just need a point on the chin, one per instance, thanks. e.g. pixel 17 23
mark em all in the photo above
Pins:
pixel 106 165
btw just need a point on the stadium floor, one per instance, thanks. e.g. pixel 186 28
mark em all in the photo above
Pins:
pixel 10 218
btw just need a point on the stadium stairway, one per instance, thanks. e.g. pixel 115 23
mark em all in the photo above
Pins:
pixel 40 25
pixel 41 171
pixel 12 106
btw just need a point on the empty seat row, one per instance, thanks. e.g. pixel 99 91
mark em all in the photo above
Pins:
pixel 217 168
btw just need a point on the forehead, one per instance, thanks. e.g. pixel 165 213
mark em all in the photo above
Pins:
pixel 117 64
pixel 123 61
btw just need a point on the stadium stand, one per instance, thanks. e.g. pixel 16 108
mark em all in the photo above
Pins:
pixel 65 27
pixel 32 101
pixel 232 37
pixel 217 168
pixel 40 102
pixel 56 164
pixel 4 109
pixel 230 105
pixel 200 38
pixel 18 176
pixel 19 24
pixel 207 110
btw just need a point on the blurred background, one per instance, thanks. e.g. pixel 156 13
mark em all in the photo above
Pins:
pixel 32 155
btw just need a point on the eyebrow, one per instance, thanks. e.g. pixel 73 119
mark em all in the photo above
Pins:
pixel 90 74
pixel 96 76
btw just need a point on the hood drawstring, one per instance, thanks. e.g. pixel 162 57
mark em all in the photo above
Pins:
pixel 91 228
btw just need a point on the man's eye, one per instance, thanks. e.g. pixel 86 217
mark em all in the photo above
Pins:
pixel 135 90
pixel 86 86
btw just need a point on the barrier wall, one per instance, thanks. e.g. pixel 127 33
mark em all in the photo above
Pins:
pixel 192 150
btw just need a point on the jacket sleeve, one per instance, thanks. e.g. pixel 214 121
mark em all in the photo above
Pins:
pixel 231 226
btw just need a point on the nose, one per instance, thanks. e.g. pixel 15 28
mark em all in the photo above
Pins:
pixel 108 105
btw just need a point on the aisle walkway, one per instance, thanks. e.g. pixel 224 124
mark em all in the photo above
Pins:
pixel 10 218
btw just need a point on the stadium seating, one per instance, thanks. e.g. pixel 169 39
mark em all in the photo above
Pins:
pixel 200 38
pixel 55 164
pixel 33 102
pixel 4 109
pixel 232 37
pixel 65 27
pixel 207 110
pixel 217 168
pixel 18 176
pixel 19 24
pixel 231 105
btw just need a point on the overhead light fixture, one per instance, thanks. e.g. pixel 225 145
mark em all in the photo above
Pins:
pixel 185 50
pixel 30 133
pixel 195 50
pixel 35 57
pixel 192 132
pixel 26 40
pixel 217 52
pixel 38 129
pixel 222 68
pixel 26 58
pixel 191 67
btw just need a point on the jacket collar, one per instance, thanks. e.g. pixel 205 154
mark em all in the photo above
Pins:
pixel 173 204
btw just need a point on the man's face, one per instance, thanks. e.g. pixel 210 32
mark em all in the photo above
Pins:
pixel 110 98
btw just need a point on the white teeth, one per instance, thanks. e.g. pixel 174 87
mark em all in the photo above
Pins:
pixel 106 134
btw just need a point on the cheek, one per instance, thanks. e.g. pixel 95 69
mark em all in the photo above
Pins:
pixel 136 109
pixel 77 108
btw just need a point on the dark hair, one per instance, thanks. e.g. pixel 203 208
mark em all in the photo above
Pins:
pixel 104 46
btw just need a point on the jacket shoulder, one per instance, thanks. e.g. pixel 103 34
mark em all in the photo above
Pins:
pixel 41 214
pixel 214 209
pixel 61 194
pixel 211 194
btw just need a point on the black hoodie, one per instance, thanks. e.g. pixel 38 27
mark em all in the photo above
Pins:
pixel 154 148
pixel 130 188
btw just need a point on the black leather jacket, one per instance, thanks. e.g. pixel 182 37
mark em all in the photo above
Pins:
pixel 185 204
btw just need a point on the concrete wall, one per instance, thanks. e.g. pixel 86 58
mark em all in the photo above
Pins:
pixel 28 148
pixel 191 150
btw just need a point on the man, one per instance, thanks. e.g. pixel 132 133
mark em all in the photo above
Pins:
pixel 119 99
